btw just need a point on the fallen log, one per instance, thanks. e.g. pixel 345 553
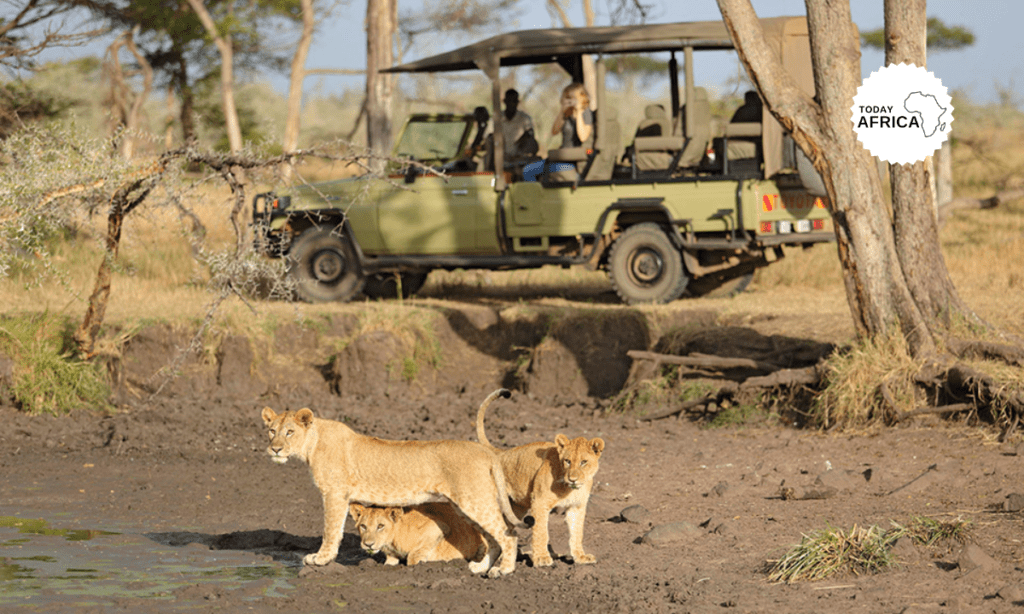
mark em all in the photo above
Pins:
pixel 785 377
pixel 703 360
pixel 942 409
pixel 977 203
pixel 1010 354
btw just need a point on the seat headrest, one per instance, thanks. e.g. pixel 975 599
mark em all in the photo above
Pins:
pixel 655 111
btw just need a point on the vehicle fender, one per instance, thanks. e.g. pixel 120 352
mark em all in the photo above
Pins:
pixel 629 211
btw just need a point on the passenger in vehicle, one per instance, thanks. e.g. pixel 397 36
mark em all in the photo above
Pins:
pixel 575 122
pixel 517 128
pixel 749 111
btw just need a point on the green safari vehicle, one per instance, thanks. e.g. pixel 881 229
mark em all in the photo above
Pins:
pixel 679 205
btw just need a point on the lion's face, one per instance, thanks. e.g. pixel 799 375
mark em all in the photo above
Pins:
pixel 376 525
pixel 287 432
pixel 580 459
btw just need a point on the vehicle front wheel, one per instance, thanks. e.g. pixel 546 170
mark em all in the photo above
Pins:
pixel 645 267
pixel 324 266
pixel 385 285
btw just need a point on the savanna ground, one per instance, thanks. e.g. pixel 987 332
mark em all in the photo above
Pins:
pixel 166 501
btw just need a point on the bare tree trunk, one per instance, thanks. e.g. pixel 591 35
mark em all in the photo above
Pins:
pixel 914 220
pixel 169 119
pixel 589 69
pixel 381 24
pixel 188 100
pixel 298 74
pixel 134 112
pixel 876 289
pixel 227 74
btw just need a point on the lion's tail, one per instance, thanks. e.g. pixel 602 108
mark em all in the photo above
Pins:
pixel 502 488
pixel 480 434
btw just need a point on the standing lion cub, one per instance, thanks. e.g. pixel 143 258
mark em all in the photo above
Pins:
pixel 349 467
pixel 543 477
pixel 418 534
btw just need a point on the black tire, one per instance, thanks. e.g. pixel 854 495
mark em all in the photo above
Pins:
pixel 324 266
pixel 645 267
pixel 385 286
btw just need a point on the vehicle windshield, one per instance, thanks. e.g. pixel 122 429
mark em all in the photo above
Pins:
pixel 433 138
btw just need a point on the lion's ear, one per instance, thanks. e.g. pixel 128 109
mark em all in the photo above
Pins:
pixel 304 416
pixel 268 415
pixel 561 441
pixel 597 444
pixel 356 510
pixel 394 513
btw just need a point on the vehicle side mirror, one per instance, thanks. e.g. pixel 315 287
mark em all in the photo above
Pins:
pixel 410 174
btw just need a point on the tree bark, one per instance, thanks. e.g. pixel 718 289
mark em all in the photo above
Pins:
pixel 227 74
pixel 135 111
pixel 876 290
pixel 914 221
pixel 188 99
pixel 293 121
pixel 589 69
pixel 381 24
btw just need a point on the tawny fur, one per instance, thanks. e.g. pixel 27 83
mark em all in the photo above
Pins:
pixel 350 467
pixel 418 534
pixel 543 477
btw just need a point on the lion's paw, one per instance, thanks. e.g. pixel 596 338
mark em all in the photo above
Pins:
pixel 479 567
pixel 542 560
pixel 584 559
pixel 316 560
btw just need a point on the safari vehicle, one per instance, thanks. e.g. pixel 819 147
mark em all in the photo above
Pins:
pixel 686 205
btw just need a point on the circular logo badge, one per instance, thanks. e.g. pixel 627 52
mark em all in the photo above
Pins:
pixel 902 113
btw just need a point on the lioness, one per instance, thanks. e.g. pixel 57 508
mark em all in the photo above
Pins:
pixel 348 467
pixel 543 477
pixel 418 534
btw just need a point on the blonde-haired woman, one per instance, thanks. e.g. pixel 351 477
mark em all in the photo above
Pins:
pixel 575 121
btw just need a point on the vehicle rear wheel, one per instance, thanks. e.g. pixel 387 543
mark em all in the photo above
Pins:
pixel 324 266
pixel 645 267
pixel 385 285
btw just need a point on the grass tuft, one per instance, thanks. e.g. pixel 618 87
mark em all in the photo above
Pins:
pixel 47 378
pixel 867 383
pixel 860 550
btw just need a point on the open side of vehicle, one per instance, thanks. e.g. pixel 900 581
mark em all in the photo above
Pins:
pixel 688 205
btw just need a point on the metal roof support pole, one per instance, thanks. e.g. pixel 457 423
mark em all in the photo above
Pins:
pixel 673 77
pixel 602 115
pixel 490 64
pixel 688 67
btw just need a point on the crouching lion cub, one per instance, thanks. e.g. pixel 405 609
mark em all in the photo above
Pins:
pixel 543 477
pixel 347 467
pixel 418 534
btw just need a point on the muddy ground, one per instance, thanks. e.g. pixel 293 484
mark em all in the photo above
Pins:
pixel 170 504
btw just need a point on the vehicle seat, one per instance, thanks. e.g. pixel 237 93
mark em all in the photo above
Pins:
pixel 654 145
pixel 696 143
pixel 580 155
pixel 608 143
pixel 743 136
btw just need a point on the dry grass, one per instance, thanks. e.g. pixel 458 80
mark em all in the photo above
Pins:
pixel 831 551
pixel 852 393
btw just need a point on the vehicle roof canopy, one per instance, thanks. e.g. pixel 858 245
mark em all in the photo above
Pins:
pixel 542 46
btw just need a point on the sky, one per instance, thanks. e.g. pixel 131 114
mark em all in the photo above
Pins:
pixel 995 59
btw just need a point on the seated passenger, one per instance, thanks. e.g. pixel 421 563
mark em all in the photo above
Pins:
pixel 575 122
pixel 517 128
pixel 750 111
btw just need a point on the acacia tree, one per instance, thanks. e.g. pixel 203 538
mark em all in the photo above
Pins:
pixel 894 273
pixel 381 25
pixel 293 119
pixel 222 38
